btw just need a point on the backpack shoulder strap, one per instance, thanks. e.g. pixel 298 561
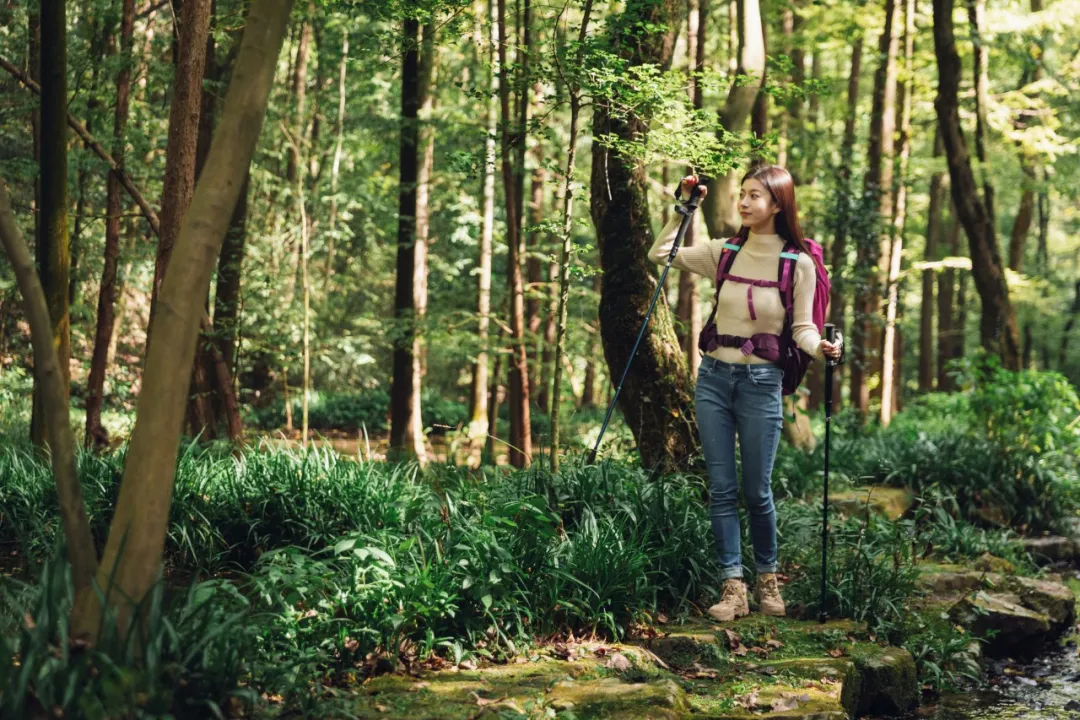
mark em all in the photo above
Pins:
pixel 723 267
pixel 789 258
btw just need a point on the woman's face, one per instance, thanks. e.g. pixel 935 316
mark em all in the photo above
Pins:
pixel 756 204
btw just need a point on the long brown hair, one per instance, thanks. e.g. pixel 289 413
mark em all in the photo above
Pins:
pixel 781 186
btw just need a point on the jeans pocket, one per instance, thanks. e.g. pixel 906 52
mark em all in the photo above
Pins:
pixel 769 377
pixel 706 368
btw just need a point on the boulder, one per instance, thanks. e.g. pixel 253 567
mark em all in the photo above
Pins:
pixel 890 684
pixel 1014 627
pixel 1054 600
pixel 1052 550
pixel 891 503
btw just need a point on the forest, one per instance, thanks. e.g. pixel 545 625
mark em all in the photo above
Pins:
pixel 321 389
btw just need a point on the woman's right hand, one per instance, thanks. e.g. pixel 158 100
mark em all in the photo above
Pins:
pixel 687 186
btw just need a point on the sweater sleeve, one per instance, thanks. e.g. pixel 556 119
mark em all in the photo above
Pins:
pixel 698 259
pixel 803 330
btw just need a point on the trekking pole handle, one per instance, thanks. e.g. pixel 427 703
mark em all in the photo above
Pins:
pixel 687 211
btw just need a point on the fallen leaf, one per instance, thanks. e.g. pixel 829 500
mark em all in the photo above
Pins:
pixel 733 639
pixel 483 702
pixel 351 645
pixel 467 664
pixel 836 652
pixel 662 619
pixel 759 650
pixel 788 701
pixel 774 644
pixel 382 708
pixel 703 673
pixel 750 701
pixel 600 651
pixel 417 687
pixel 560 650
pixel 739 651
pixel 768 670
pixel 619 662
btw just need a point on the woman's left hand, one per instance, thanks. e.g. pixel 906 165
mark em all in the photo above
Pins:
pixel 833 351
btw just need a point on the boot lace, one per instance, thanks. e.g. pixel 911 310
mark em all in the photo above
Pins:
pixel 770 588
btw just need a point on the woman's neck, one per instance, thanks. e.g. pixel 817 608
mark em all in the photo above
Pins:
pixel 767 227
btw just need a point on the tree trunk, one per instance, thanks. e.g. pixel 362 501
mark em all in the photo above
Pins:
pixel 938 189
pixel 838 253
pixel 574 91
pixel 97 437
pixel 997 328
pixel 946 290
pixel 54 411
pixel 1063 351
pixel 335 171
pixel 493 405
pixel 689 308
pixel 534 291
pixel 1024 215
pixel 426 137
pixel 1044 229
pixel 657 397
pixel 891 379
pixel 812 134
pixel 520 436
pixel 227 293
pixel 403 443
pixel 720 207
pixel 981 62
pixel 52 241
pixel 478 422
pixel 131 563
pixel 588 394
pixel 179 185
pixel 874 243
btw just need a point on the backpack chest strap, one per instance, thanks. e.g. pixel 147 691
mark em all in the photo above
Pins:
pixel 751 283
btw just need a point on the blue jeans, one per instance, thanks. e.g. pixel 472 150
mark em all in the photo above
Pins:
pixel 743 398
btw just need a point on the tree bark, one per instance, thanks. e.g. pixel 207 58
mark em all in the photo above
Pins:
pixel 179 185
pixel 131 563
pixel 997 329
pixel 938 189
pixel 520 435
pixel 1066 332
pixel 719 207
pixel 426 137
pixel 981 62
pixel 657 397
pixel 55 412
pixel 1024 216
pixel 97 437
pixel 873 244
pixel 230 270
pixel 839 252
pixel 574 91
pixel 534 291
pixel 335 170
pixel 402 424
pixel 946 293
pixel 588 393
pixel 689 308
pixel 891 378
pixel 52 240
pixel 478 422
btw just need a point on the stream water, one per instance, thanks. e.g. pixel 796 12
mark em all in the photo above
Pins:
pixel 1047 688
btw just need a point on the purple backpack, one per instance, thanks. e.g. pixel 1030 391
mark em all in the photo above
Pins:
pixel 778 349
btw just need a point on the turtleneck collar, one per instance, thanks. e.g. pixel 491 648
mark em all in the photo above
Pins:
pixel 764 239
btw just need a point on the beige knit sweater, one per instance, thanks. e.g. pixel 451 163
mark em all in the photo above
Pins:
pixel 758 259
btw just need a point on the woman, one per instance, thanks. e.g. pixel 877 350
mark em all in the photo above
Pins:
pixel 738 391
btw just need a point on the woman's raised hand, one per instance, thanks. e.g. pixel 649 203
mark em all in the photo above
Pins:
pixel 687 186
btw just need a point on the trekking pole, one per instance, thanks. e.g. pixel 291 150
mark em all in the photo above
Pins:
pixel 687 213
pixel 830 335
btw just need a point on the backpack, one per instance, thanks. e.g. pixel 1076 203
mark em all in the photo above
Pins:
pixel 779 349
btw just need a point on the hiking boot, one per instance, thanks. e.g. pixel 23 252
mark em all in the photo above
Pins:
pixel 734 602
pixel 767 593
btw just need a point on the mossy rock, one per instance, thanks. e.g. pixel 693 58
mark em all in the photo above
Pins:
pixel 798 689
pixel 1052 549
pixel 890 683
pixel 1054 600
pixel 1013 626
pixel 614 699
pixel 891 503
pixel 993 564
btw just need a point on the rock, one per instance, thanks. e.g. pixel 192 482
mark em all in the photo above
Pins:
pixel 1015 626
pixel 890 685
pixel 892 503
pixel 950 586
pixel 615 699
pixel 1053 549
pixel 992 564
pixel 1054 600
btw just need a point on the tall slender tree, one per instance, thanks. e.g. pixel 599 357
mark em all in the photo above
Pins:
pixel 873 244
pixel 938 190
pixel 96 435
pixel 997 328
pixel 52 238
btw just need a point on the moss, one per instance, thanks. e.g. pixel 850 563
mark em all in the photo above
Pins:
pixel 890 684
